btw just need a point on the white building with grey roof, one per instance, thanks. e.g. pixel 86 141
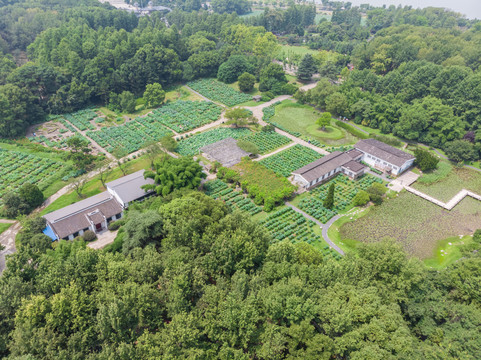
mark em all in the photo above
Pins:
pixel 384 157
pixel 96 212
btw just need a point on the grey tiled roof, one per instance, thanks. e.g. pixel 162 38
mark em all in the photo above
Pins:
pixel 383 151
pixel 129 188
pixel 320 167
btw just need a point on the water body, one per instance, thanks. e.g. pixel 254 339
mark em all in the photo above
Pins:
pixel 470 8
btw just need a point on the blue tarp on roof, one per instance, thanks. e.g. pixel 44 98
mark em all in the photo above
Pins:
pixel 49 232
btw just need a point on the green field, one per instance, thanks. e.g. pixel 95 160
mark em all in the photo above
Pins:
pixel 448 251
pixel 290 50
pixel 415 223
pixel 302 119
pixel 452 183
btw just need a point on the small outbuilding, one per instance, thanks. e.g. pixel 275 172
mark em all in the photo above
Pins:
pixel 257 98
pixel 129 188
pixel 224 151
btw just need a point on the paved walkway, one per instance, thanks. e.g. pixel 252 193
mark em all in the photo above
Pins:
pixel 324 227
pixel 451 203
pixel 7 239
pixel 275 151
pixel 405 179
pixel 6 221
pixel 103 239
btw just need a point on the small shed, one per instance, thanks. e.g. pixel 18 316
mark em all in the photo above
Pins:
pixel 257 98
pixel 224 151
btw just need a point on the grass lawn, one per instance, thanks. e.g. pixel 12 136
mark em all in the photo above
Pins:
pixel 301 118
pixel 449 185
pixel 443 170
pixel 180 92
pixel 334 231
pixel 415 223
pixel 289 50
pixel 4 227
pixel 94 186
pixel 447 251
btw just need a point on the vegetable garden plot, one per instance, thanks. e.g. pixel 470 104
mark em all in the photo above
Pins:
pixel 286 224
pixel 267 141
pixel 232 198
pixel 131 136
pixel 345 190
pixel 285 162
pixel 18 168
pixel 218 91
pixel 182 116
pixel 81 119
pixel 192 145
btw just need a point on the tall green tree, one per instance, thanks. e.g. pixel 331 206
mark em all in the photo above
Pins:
pixel 329 200
pixel 154 95
pixel 306 68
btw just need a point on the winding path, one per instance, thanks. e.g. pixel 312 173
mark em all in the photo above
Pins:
pixel 324 227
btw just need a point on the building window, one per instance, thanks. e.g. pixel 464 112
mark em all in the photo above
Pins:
pixel 75 234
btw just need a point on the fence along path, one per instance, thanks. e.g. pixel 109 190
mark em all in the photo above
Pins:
pixel 451 203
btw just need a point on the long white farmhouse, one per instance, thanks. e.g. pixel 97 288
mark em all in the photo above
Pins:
pixel 384 157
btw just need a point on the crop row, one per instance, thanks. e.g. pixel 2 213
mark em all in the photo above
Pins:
pixel 267 141
pixel 345 190
pixel 218 189
pixel 192 145
pixel 81 119
pixel 285 162
pixel 182 116
pixel 131 137
pixel 218 91
pixel 19 168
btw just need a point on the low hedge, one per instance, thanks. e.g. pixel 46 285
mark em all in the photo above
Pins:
pixel 352 130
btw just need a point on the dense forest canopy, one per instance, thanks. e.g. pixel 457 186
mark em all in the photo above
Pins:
pixel 190 279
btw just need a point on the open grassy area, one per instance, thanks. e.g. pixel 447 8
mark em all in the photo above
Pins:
pixel 4 227
pixel 448 251
pixel 94 186
pixel 415 223
pixel 347 245
pixel 290 50
pixel 448 186
pixel 302 119
pixel 443 170
pixel 180 92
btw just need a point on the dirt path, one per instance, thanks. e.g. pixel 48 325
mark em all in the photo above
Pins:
pixel 6 221
pixel 83 133
pixel 211 125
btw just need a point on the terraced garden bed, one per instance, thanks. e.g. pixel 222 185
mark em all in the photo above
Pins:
pixel 182 116
pixel 18 168
pixel 218 91
pixel 192 145
pixel 345 190
pixel 285 162
pixel 131 136
pixel 286 224
pixel 232 198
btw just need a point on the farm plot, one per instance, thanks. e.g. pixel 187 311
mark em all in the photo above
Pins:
pixel 131 136
pixel 232 198
pixel 267 141
pixel 345 190
pixel 286 224
pixel 262 183
pixel 192 145
pixel 82 119
pixel 18 168
pixel 285 162
pixel 218 91
pixel 182 116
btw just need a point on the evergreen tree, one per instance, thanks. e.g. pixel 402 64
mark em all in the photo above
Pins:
pixel 329 200
pixel 306 68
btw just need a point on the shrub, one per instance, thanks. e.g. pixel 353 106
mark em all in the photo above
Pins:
pixel 269 204
pixel 425 160
pixel 352 130
pixel 376 199
pixel 361 198
pixel 115 225
pixel 329 201
pixel 477 236
pixel 89 236
pixel 377 189
pixel 246 82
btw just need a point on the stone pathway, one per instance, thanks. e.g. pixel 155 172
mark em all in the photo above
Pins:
pixel 103 239
pixel 324 227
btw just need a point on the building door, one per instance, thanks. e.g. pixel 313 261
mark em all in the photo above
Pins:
pixel 98 227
